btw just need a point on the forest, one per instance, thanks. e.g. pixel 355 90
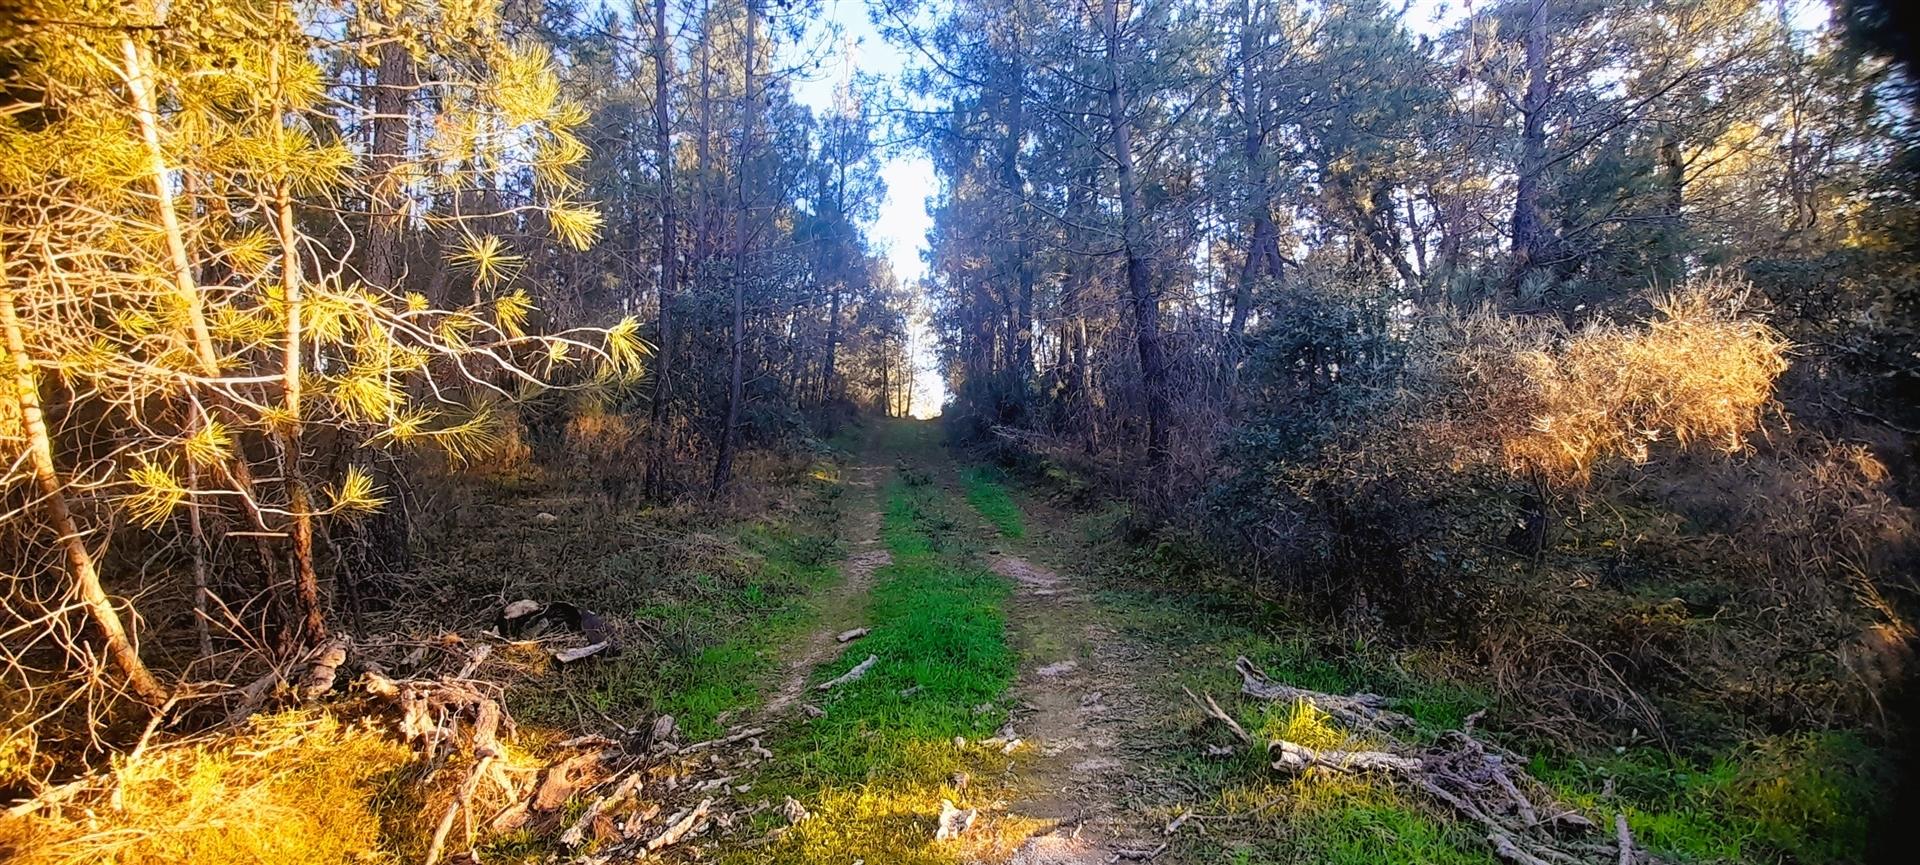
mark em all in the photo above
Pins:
pixel 959 431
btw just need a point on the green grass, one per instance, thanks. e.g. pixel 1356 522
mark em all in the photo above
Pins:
pixel 874 768
pixel 989 498
pixel 1808 798
pixel 719 636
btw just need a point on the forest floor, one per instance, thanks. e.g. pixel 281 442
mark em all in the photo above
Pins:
pixel 1024 678
pixel 1010 681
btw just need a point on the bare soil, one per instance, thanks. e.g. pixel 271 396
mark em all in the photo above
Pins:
pixel 1080 716
pixel 845 604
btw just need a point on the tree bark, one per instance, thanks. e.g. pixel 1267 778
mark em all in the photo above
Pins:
pixel 139 82
pixel 312 620
pixel 655 482
pixel 1139 253
pixel 723 461
pixel 80 564
pixel 1263 241
pixel 1529 233
pixel 386 204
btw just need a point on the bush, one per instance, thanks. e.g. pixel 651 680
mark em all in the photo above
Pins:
pixel 1701 371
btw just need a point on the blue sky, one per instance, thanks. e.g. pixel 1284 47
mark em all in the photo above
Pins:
pixel 902 224
pixel 901 228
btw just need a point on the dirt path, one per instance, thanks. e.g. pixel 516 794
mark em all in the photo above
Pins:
pixel 843 606
pixel 1077 708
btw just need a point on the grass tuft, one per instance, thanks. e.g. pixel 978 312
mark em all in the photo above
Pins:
pixel 299 787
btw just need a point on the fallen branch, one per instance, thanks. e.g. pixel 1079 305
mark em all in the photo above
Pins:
pixel 1366 711
pixel 577 833
pixel 1296 758
pixel 853 634
pixel 854 674
pixel 1479 781
pixel 679 830
pixel 1212 710
pixel 1138 855
pixel 741 736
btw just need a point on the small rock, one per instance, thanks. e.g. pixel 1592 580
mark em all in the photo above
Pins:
pixel 522 607
pixel 953 821
pixel 545 519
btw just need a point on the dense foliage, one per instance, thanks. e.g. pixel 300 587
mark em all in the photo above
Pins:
pixel 272 268
pixel 1420 322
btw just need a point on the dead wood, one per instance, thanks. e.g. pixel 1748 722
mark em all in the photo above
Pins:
pixel 1138 854
pixel 1213 710
pixel 1365 711
pixel 1295 758
pixel 1479 781
pixel 854 674
pixel 568 656
pixel 577 833
pixel 681 829
pixel 954 821
pixel 326 667
pixel 848 636
pixel 730 739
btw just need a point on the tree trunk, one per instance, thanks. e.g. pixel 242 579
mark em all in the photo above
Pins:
pixel 186 287
pixel 306 583
pixel 1263 240
pixel 703 145
pixel 1529 234
pixel 736 382
pixel 386 203
pixel 655 482
pixel 1673 258
pixel 1146 308
pixel 833 346
pixel 80 563
pixel 1014 187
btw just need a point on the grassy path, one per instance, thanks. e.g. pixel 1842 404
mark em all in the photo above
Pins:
pixel 884 750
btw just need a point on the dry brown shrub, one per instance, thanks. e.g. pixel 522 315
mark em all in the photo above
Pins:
pixel 1701 371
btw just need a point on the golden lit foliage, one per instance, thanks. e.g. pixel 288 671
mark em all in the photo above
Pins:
pixel 177 334
pixel 299 787
pixel 1700 372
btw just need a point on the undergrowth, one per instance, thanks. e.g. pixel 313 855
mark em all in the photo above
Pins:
pixel 295 787
pixel 1804 798
pixel 710 638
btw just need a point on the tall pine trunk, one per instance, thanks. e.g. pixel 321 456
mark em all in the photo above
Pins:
pixel 81 568
pixel 736 342
pixel 1139 257
pixel 657 445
